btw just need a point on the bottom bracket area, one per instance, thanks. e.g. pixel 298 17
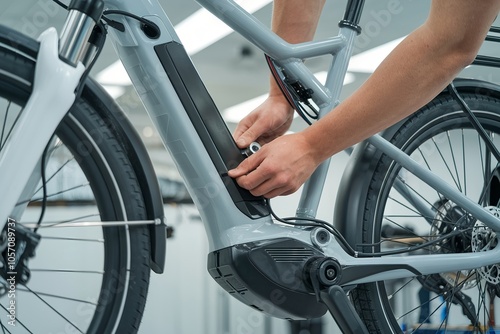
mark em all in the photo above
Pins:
pixel 269 276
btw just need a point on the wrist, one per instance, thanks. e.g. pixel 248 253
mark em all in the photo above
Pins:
pixel 321 141
pixel 280 100
pixel 313 147
pixel 277 96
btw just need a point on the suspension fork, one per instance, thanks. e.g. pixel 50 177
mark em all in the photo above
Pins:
pixel 58 72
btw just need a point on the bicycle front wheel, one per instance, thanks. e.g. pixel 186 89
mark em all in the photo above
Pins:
pixel 401 211
pixel 72 279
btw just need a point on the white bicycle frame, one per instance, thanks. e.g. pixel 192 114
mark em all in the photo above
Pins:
pixel 225 224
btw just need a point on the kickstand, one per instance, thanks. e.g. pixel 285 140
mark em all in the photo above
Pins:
pixel 323 275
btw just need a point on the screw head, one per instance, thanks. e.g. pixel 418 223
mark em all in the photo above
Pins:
pixel 331 273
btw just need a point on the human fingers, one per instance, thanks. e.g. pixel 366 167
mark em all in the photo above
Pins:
pixel 269 190
pixel 281 191
pixel 243 126
pixel 249 135
pixel 246 166
pixel 268 182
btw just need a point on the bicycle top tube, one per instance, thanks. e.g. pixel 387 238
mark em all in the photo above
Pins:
pixel 291 56
pixel 240 20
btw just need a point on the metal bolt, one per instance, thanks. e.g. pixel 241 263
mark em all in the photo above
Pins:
pixel 331 273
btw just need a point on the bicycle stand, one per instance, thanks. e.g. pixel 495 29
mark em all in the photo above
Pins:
pixel 324 274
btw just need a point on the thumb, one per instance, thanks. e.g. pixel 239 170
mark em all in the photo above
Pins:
pixel 251 134
pixel 244 140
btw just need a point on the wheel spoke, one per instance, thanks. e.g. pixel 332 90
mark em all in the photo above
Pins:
pixel 77 187
pixel 457 183
pixel 73 239
pixel 38 293
pixel 73 271
pixel 33 200
pixel 464 161
pixel 52 308
pixel 4 124
pixel 419 214
pixel 429 167
pixel 452 151
pixel 4 329
pixel 11 128
pixel 17 320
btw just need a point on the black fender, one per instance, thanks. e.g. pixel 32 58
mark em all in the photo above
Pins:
pixel 100 100
pixel 351 196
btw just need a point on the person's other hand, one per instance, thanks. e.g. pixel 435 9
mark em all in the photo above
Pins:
pixel 278 168
pixel 267 122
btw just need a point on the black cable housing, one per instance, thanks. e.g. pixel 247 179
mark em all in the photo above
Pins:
pixel 291 96
pixel 314 222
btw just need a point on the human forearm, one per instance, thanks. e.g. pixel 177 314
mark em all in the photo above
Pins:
pixel 411 76
pixel 371 108
pixel 295 21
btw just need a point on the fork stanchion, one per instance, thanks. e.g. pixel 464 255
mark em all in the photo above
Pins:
pixel 77 29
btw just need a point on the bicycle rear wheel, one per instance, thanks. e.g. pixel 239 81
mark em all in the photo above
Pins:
pixel 80 279
pixel 440 137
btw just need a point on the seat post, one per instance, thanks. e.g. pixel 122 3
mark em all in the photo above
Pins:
pixel 352 15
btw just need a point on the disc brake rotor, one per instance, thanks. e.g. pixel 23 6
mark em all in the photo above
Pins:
pixel 448 217
pixel 484 239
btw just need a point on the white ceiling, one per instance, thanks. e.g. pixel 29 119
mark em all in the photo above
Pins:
pixel 234 70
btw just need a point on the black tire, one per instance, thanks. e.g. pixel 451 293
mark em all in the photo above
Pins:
pixel 83 279
pixel 441 138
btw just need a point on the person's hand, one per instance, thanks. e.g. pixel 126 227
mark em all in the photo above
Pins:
pixel 278 168
pixel 267 122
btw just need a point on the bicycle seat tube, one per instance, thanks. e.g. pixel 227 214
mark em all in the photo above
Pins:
pixel 349 28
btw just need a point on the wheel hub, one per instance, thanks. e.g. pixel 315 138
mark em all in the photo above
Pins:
pixel 450 217
pixel 484 239
pixel 17 246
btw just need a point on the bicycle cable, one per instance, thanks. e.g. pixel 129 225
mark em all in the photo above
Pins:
pixel 292 95
pixel 312 222
pixel 345 244
pixel 147 24
pixel 99 44
pixel 44 186
pixel 60 3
